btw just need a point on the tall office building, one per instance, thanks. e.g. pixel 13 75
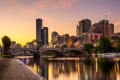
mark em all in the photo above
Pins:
pixel 104 28
pixel 45 35
pixel 38 31
pixel 96 28
pixel 42 37
pixel 104 25
pixel 111 29
pixel 83 27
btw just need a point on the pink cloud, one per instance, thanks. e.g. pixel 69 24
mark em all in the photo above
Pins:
pixel 53 4
pixel 63 4
pixel 34 7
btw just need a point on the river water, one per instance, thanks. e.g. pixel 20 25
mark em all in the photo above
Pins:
pixel 75 68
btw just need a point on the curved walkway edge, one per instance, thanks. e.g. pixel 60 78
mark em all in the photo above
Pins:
pixel 12 69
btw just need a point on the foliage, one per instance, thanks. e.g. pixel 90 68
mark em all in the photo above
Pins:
pixel 96 50
pixel 88 47
pixel 105 45
pixel 72 46
pixel 64 46
pixel 6 44
pixel 118 45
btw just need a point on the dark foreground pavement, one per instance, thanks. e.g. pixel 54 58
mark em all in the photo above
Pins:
pixel 12 69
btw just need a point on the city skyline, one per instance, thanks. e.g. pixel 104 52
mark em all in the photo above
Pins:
pixel 18 17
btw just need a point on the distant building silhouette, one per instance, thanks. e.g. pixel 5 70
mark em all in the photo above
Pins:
pixel 83 27
pixel 38 31
pixel 41 33
pixel 45 35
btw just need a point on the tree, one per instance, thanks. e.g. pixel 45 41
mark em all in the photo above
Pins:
pixel 118 45
pixel 64 46
pixel 6 44
pixel 88 47
pixel 96 50
pixel 105 45
pixel 72 46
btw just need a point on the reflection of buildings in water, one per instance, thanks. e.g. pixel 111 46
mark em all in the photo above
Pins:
pixel 78 68
pixel 63 67
pixel 40 67
pixel 56 69
pixel 35 64
pixel 70 66
pixel 36 68
pixel 81 70
pixel 106 69
pixel 44 70
pixel 99 71
pixel 117 69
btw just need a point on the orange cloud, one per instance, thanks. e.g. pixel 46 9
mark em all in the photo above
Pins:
pixel 117 23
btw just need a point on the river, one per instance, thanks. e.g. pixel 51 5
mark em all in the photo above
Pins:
pixel 75 68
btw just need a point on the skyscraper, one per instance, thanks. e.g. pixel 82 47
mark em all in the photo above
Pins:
pixel 45 35
pixel 41 33
pixel 83 27
pixel 38 31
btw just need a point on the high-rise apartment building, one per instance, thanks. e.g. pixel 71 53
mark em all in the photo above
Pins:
pixel 38 31
pixel 104 28
pixel 41 33
pixel 45 35
pixel 83 27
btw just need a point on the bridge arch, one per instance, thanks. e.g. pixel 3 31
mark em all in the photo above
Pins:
pixel 51 52
pixel 13 51
pixel 51 49
pixel 58 51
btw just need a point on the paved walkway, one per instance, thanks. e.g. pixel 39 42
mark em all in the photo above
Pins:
pixel 11 69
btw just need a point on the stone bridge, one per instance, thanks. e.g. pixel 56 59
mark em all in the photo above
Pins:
pixel 34 50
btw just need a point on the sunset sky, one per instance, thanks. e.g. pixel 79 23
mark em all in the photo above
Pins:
pixel 17 17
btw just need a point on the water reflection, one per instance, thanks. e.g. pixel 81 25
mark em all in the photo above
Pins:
pixel 76 69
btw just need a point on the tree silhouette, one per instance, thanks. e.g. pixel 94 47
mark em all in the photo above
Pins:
pixel 118 45
pixel 105 45
pixel 6 44
pixel 88 47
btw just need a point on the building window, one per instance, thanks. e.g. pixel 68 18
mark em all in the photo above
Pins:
pixel 96 37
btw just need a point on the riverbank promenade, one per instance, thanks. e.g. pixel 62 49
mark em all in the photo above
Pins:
pixel 12 69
